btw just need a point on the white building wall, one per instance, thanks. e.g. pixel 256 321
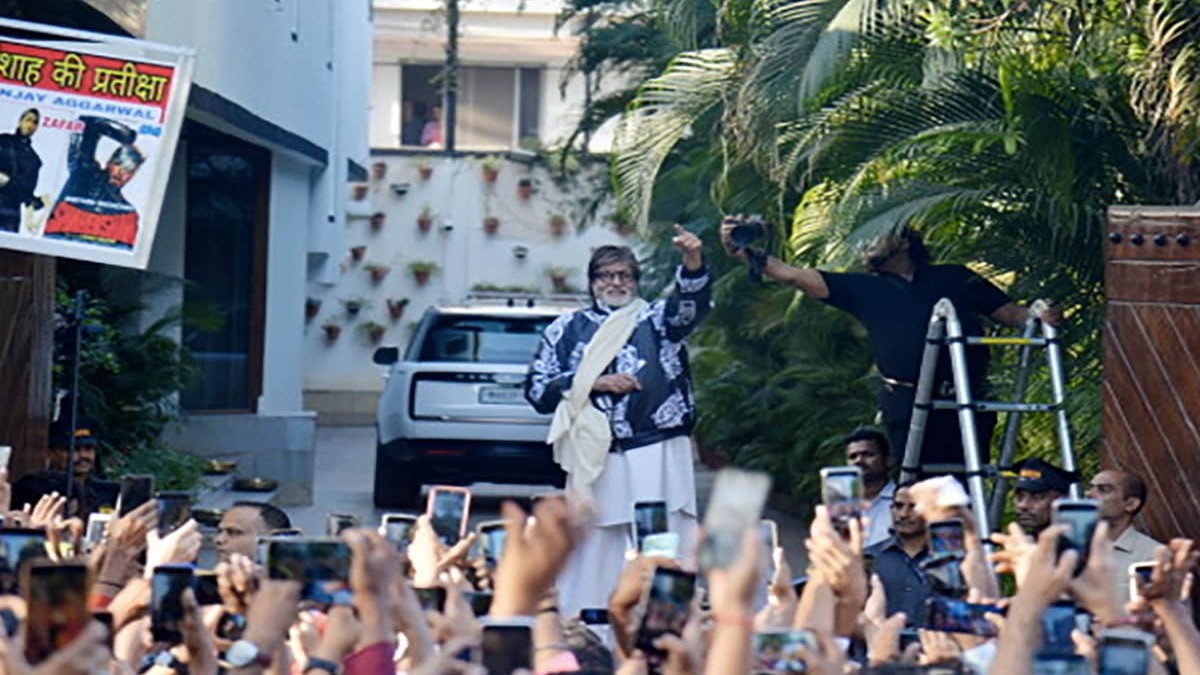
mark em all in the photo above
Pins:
pixel 286 264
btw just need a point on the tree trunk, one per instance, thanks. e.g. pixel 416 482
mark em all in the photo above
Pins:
pixel 26 353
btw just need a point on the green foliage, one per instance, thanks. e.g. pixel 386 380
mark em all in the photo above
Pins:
pixel 172 469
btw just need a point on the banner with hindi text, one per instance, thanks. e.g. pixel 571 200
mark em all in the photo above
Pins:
pixel 88 128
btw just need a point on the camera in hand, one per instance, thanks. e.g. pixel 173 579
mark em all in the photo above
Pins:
pixel 745 234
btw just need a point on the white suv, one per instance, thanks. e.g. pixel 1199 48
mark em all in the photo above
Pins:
pixel 453 410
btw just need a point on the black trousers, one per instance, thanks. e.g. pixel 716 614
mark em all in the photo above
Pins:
pixel 943 437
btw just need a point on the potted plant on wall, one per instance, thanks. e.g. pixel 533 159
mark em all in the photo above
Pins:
pixel 312 306
pixel 558 278
pixel 354 305
pixel 491 224
pixel 490 167
pixel 622 224
pixel 332 330
pixel 558 224
pixel 525 189
pixel 377 271
pixel 396 308
pixel 424 169
pixel 357 253
pixel 360 191
pixel 374 331
pixel 378 170
pixel 425 219
pixel 377 220
pixel 422 270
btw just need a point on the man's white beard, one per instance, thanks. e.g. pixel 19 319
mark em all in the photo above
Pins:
pixel 616 301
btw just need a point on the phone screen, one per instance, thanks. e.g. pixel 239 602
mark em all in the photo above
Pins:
pixel 448 513
pixel 207 589
pixel 480 601
pixel 768 533
pixel 735 506
pixel 336 523
pixel 5 455
pixel 96 525
pixel 648 518
pixel 174 509
pixel 167 585
pixel 945 575
pixel 56 608
pixel 951 615
pixel 842 494
pixel 491 542
pixel 1057 623
pixel 946 536
pixel 135 491
pixel 779 651
pixel 432 598
pixel 18 547
pixel 507 648
pixel 397 528
pixel 1060 664
pixel 322 566
pixel 1123 656
pixel 594 616
pixel 1080 517
pixel 668 605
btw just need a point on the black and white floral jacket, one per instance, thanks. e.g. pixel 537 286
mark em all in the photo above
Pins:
pixel 656 355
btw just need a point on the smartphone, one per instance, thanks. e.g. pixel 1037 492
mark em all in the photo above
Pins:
pixel 11 623
pixel 321 565
pixel 448 509
pixel 594 616
pixel 945 575
pixel 397 528
pixel 19 546
pixel 778 651
pixel 492 535
pixel 668 603
pixel 5 456
pixel 842 495
pixel 798 585
pixel 286 532
pixel 432 598
pixel 336 523
pixel 1124 652
pixel 1060 664
pixel 56 607
pixel 135 491
pixel 1057 623
pixel 507 645
pixel 105 618
pixel 648 518
pixel 97 525
pixel 174 509
pixel 206 587
pixel 661 545
pixel 947 537
pixel 769 534
pixel 167 584
pixel 1080 516
pixel 951 615
pixel 1143 571
pixel 480 601
pixel 734 507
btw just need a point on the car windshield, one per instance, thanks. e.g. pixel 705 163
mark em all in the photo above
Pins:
pixel 483 339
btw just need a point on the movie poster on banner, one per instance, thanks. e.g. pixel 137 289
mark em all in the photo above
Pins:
pixel 88 128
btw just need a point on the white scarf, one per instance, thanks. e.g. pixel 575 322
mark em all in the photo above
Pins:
pixel 580 433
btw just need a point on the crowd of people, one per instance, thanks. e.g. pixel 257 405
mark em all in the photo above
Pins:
pixel 897 579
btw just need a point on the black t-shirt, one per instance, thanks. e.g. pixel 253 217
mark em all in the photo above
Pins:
pixel 896 313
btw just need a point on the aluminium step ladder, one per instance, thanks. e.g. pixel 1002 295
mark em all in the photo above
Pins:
pixel 945 330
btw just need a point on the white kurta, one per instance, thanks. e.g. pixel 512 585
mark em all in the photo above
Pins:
pixel 659 472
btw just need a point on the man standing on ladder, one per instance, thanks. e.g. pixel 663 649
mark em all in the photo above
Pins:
pixel 894 302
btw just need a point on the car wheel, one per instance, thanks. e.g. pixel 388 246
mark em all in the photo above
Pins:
pixel 397 484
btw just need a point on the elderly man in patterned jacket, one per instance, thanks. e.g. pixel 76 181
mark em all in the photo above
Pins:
pixel 616 377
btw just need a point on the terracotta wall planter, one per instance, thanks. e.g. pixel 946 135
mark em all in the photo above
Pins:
pixel 378 170
pixel 312 307
pixel 378 273
pixel 558 225
pixel 525 189
pixel 360 192
pixel 332 332
pixel 424 223
pixel 425 172
pixel 422 276
pixel 396 308
pixel 378 220
pixel 491 225
pixel 490 174
pixel 357 253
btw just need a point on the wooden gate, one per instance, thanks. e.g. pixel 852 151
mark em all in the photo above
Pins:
pixel 26 347
pixel 1152 360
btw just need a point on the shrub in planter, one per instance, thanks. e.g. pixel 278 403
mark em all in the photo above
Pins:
pixel 377 220
pixel 490 167
pixel 558 278
pixel 422 270
pixel 354 305
pixel 424 170
pixel 311 307
pixel 425 220
pixel 332 331
pixel 491 225
pixel 374 331
pixel 357 253
pixel 525 189
pixel 377 271
pixel 396 308
pixel 558 225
